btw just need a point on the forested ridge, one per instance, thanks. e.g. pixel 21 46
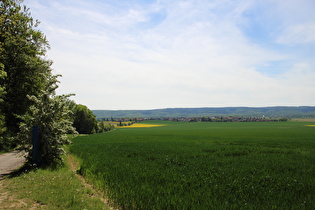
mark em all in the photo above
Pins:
pixel 278 111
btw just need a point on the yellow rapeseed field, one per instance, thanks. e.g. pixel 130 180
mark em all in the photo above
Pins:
pixel 310 125
pixel 136 125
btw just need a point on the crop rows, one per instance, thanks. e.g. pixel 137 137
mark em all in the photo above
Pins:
pixel 203 165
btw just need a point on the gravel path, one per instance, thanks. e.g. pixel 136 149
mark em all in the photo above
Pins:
pixel 10 162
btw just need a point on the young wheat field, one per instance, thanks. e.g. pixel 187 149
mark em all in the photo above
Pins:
pixel 203 165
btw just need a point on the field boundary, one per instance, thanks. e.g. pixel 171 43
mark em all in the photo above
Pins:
pixel 74 166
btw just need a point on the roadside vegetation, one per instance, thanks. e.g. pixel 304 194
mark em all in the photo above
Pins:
pixel 265 165
pixel 61 188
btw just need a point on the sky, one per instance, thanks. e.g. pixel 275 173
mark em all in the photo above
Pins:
pixel 151 54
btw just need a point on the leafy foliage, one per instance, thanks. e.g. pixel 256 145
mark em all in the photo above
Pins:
pixel 22 50
pixel 2 123
pixel 52 114
pixel 84 120
pixel 30 98
pixel 3 74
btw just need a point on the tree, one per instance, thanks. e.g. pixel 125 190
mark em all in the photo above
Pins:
pixel 53 116
pixel 3 146
pixel 30 98
pixel 22 50
pixel 84 120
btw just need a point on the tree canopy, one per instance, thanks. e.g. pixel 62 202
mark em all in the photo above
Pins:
pixel 27 87
pixel 84 120
pixel 23 47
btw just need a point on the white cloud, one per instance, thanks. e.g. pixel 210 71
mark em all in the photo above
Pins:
pixel 170 54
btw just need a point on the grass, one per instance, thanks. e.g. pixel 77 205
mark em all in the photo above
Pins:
pixel 268 165
pixel 48 189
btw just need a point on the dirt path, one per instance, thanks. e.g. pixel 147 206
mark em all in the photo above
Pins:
pixel 10 162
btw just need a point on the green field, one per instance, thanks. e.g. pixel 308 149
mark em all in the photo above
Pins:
pixel 245 165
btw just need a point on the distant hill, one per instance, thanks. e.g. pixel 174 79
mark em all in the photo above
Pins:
pixel 278 111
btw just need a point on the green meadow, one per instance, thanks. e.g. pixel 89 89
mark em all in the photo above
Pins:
pixel 203 165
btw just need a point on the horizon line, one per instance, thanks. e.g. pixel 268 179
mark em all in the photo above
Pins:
pixel 199 108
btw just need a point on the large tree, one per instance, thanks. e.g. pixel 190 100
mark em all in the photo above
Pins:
pixel 30 98
pixel 23 47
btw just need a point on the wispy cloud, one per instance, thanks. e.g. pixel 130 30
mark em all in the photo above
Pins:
pixel 298 34
pixel 155 54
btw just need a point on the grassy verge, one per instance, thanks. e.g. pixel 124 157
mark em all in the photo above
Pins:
pixel 49 189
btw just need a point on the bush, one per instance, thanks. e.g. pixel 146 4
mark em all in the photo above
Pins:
pixel 51 113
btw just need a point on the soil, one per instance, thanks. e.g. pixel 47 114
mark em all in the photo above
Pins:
pixel 10 162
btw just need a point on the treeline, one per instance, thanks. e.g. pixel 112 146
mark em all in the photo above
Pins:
pixel 220 119
pixel 28 90
pixel 130 121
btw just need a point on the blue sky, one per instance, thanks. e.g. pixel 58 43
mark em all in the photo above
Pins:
pixel 140 54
